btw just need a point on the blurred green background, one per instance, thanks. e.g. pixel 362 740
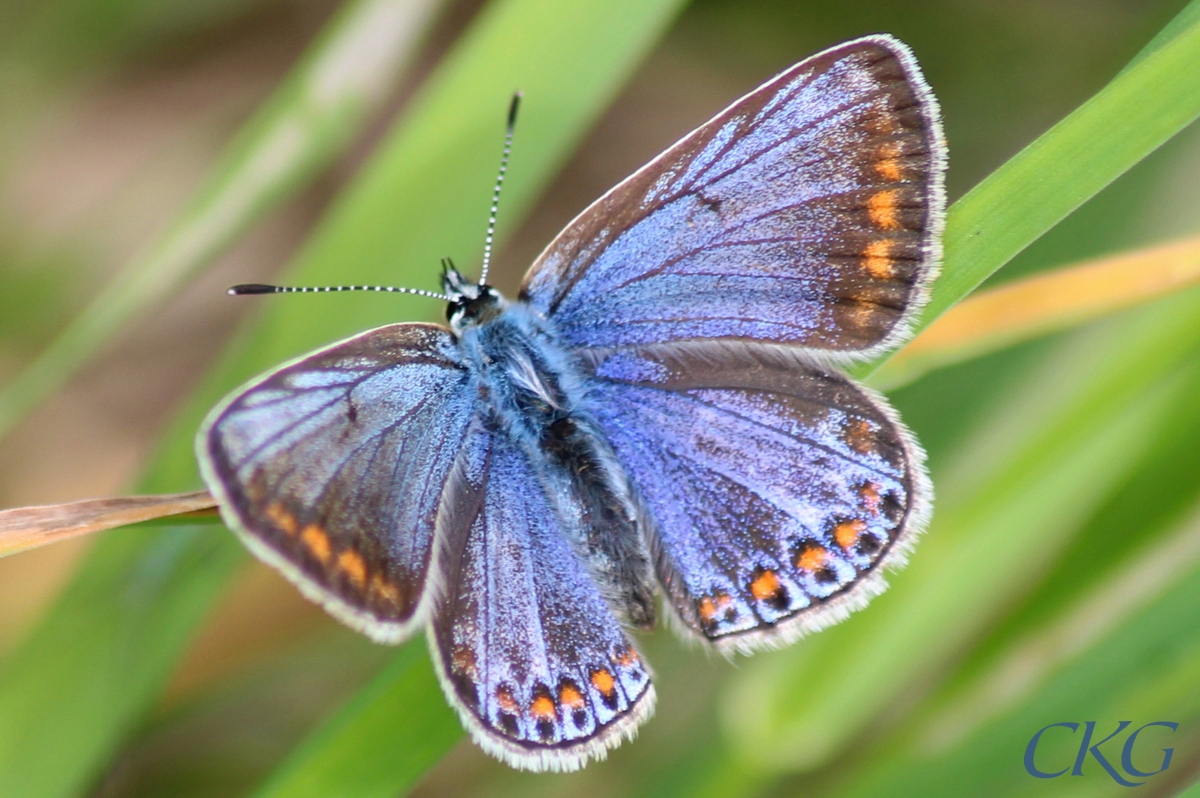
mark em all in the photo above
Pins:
pixel 152 153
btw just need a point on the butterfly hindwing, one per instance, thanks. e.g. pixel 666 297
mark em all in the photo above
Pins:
pixel 807 214
pixel 528 651
pixel 776 490
pixel 332 468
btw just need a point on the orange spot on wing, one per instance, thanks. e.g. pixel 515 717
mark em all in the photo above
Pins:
pixel 766 586
pixel 869 493
pixel 859 436
pixel 351 564
pixel 317 542
pixel 712 606
pixel 542 708
pixel 603 681
pixel 888 166
pixel 463 661
pixel 884 209
pixel 882 124
pixel 281 518
pixel 384 589
pixel 812 558
pixel 847 533
pixel 877 259
pixel 506 701
pixel 627 658
pixel 570 697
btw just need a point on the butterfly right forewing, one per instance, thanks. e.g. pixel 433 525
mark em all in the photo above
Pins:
pixel 806 214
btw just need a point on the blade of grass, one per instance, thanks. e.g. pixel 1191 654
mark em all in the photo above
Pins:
pixel 1141 669
pixel 1139 543
pixel 1133 115
pixel 88 671
pixel 1127 120
pixel 1027 663
pixel 1044 303
pixel 375 747
pixel 313 116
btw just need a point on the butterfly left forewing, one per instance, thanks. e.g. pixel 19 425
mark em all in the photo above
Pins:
pixel 527 649
pixel 807 214
pixel 332 469
pixel 776 491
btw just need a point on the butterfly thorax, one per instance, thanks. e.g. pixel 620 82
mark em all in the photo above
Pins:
pixel 533 392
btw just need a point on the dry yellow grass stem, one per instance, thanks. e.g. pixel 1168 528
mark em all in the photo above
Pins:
pixel 1027 308
pixel 26 528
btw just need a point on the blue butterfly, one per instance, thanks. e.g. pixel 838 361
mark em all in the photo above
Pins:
pixel 659 410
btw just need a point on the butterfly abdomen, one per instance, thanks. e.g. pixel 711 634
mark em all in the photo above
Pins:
pixel 535 396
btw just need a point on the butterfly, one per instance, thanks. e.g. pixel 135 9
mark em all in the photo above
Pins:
pixel 658 411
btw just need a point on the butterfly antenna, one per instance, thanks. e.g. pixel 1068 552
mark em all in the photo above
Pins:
pixel 261 288
pixel 491 228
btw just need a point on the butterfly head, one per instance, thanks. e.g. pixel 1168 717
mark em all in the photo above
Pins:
pixel 471 303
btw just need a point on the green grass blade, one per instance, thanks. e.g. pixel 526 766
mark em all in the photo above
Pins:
pixel 1114 130
pixel 377 747
pixel 73 689
pixel 1185 19
pixel 1133 115
pixel 1140 669
pixel 79 682
pixel 1017 670
pixel 312 117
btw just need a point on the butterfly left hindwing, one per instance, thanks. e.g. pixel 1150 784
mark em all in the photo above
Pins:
pixel 527 648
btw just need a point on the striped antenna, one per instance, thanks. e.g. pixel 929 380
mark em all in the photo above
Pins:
pixel 261 288
pixel 491 228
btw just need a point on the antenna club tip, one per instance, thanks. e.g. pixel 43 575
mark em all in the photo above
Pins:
pixel 243 289
pixel 512 108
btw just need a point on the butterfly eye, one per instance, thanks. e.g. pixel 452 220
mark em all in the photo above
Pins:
pixel 484 306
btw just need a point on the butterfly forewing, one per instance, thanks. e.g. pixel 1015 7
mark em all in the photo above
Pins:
pixel 528 650
pixel 805 214
pixel 332 468
pixel 776 490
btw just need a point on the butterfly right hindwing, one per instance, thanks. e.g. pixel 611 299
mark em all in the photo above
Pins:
pixel 777 491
